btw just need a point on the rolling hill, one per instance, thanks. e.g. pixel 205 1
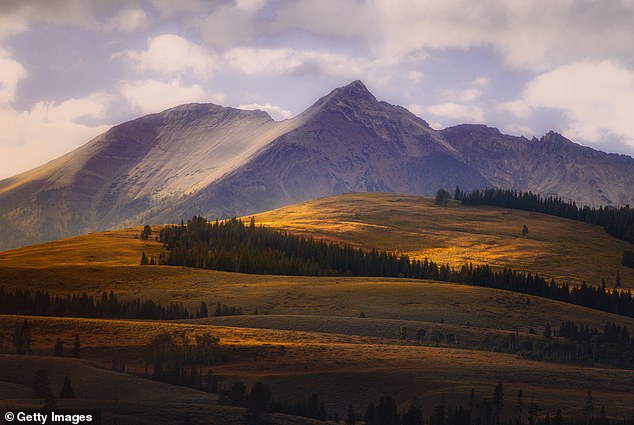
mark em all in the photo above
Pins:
pixel 339 334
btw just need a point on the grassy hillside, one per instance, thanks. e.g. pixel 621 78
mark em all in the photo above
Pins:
pixel 107 249
pixel 458 234
pixel 135 400
pixel 338 367
pixel 328 348
pixel 455 234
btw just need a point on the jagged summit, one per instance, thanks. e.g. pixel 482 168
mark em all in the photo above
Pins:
pixel 355 90
pixel 355 94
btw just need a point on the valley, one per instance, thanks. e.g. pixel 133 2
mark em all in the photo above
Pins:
pixel 340 335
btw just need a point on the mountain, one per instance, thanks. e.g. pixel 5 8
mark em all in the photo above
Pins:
pixel 216 161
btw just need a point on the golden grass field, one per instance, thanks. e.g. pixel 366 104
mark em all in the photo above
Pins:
pixel 458 234
pixel 329 349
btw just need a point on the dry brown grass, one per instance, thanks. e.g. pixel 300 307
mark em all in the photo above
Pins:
pixel 123 398
pixel 329 350
pixel 459 234
pixel 383 298
pixel 342 368
pixel 108 249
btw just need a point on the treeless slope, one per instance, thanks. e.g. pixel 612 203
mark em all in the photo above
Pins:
pixel 109 249
pixel 458 234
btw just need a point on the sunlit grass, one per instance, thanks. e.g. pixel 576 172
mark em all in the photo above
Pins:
pixel 459 234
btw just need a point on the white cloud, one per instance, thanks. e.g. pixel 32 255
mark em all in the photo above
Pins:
pixel 147 96
pixel 10 25
pixel 11 72
pixel 49 129
pixel 274 111
pixel 596 98
pixel 531 34
pixel 449 113
pixel 519 107
pixel 171 55
pixel 252 61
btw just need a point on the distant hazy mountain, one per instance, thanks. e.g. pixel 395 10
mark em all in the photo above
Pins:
pixel 217 161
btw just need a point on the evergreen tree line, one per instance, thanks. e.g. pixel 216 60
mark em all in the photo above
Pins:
pixel 628 258
pixel 233 246
pixel 108 306
pixel 618 222
pixel 572 343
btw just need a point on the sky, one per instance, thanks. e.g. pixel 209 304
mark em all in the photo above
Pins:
pixel 70 69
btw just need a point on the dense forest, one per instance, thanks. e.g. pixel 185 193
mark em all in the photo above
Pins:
pixel 618 222
pixel 234 246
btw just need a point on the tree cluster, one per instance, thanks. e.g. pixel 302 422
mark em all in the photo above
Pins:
pixel 108 306
pixel 180 361
pixel 618 222
pixel 260 398
pixel 572 343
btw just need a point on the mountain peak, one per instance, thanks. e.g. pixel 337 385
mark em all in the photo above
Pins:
pixel 356 90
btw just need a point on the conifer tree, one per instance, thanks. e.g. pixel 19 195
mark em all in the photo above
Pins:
pixel 22 339
pixel 351 417
pixel 76 348
pixel 59 348
pixel 67 389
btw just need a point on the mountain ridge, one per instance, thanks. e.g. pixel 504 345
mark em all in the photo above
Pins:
pixel 219 162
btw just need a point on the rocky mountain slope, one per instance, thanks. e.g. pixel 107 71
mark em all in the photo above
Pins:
pixel 217 161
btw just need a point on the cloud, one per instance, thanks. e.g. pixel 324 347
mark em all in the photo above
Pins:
pixel 171 55
pixel 595 97
pixel 11 72
pixel 530 35
pixel 147 96
pixel 519 107
pixel 228 26
pixel 250 5
pixel 288 61
pixel 450 113
pixel 129 20
pixel 415 77
pixel 466 95
pixel 47 130
pixel 75 13
pixel 274 111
